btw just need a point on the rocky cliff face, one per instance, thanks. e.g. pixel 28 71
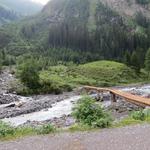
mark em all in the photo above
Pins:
pixel 128 7
pixel 125 8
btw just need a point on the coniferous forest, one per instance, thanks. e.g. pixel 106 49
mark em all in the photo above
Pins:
pixel 52 54
pixel 77 32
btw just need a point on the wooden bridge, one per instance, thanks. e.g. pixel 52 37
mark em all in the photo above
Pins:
pixel 138 100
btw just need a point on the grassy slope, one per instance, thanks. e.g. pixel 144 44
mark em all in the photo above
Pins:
pixel 57 79
pixel 100 73
pixel 109 72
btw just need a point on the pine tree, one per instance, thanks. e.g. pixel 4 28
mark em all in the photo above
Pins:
pixel 0 66
pixel 127 58
pixel 147 61
pixel 29 74
pixel 135 63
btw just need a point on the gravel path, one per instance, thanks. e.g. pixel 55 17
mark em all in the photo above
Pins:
pixel 128 138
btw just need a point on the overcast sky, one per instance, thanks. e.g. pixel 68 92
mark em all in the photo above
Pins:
pixel 41 1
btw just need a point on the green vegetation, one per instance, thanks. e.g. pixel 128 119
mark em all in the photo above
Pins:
pixel 6 60
pixel 8 132
pixel 20 8
pixel 135 62
pixel 80 127
pixel 108 73
pixel 56 57
pixel 143 2
pixel 126 122
pixel 147 61
pixel 45 129
pixel 90 116
pixel 7 15
pixel 56 79
pixel 29 74
pixel 97 33
pixel 143 115
pixel 136 117
pixel 88 112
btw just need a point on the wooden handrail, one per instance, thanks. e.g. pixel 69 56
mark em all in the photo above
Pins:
pixel 127 96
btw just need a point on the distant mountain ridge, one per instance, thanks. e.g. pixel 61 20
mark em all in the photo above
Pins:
pixel 12 10
pixel 84 30
pixel 23 7
pixel 7 15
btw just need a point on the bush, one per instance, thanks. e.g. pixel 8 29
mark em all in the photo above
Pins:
pixel 146 112
pixel 46 129
pixel 143 2
pixel 0 67
pixel 141 115
pixel 138 115
pixel 53 83
pixel 9 132
pixel 88 112
pixel 28 73
pixel 6 130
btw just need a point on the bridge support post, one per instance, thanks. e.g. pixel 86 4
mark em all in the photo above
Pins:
pixel 113 97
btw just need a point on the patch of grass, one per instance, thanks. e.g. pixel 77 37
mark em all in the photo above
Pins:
pixel 109 72
pixel 8 132
pixel 126 122
pixel 79 127
pixel 46 129
pixel 57 79
pixel 136 117
pixel 99 73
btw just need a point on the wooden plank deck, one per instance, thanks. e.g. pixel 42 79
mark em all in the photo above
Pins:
pixel 127 96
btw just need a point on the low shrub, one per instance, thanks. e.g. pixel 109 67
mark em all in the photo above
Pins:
pixel 46 129
pixel 141 115
pixel 138 115
pixel 79 127
pixel 6 130
pixel 88 112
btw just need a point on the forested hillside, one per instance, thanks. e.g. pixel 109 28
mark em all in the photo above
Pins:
pixel 23 7
pixel 7 15
pixel 13 10
pixel 83 31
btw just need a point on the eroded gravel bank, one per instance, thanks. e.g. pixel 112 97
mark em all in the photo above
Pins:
pixel 12 105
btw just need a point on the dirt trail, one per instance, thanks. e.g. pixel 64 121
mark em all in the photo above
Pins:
pixel 128 138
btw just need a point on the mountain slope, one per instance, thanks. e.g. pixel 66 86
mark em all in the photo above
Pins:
pixel 7 15
pixel 128 7
pixel 85 30
pixel 23 7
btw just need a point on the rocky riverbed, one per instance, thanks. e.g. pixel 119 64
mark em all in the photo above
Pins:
pixel 55 109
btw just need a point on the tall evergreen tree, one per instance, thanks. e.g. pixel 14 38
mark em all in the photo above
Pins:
pixel 147 61
pixel 135 62
pixel 127 58
pixel 29 74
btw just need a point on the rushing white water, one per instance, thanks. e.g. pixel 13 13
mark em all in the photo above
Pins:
pixel 63 108
pixel 58 110
pixel 143 90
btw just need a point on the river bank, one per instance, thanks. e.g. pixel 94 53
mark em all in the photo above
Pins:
pixel 56 109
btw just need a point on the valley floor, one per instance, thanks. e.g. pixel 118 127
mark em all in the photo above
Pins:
pixel 127 138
